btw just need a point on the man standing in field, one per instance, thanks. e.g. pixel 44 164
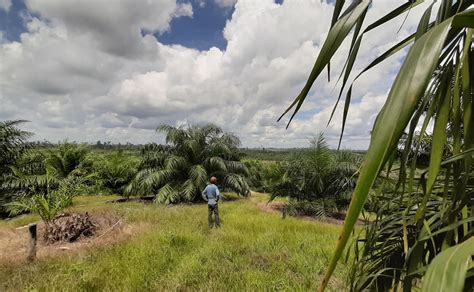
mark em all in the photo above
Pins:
pixel 211 195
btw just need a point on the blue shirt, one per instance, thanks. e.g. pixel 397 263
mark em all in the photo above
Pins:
pixel 211 194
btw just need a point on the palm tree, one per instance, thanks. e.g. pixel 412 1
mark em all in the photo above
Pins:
pixel 38 172
pixel 116 171
pixel 68 158
pixel 263 176
pixel 178 171
pixel 434 83
pixel 49 203
pixel 319 178
pixel 12 146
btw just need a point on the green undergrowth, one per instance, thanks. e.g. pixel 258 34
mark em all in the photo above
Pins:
pixel 253 250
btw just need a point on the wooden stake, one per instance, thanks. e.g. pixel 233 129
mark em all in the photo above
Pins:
pixel 32 228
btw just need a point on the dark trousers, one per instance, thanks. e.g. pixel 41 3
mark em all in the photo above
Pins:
pixel 214 209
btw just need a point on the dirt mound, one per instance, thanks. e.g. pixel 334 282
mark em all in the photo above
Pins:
pixel 69 227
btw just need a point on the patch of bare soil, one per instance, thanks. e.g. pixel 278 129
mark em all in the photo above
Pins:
pixel 108 230
pixel 272 207
pixel 144 199
pixel 277 207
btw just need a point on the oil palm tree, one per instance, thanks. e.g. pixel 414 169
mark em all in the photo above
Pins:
pixel 320 178
pixel 262 176
pixel 13 144
pixel 178 172
pixel 68 158
pixel 115 171
pixel 48 203
pixel 434 83
pixel 40 171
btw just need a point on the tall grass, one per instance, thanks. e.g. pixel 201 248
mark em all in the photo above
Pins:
pixel 253 250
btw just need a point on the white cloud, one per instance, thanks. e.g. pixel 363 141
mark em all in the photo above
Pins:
pixel 5 5
pixel 2 38
pixel 225 3
pixel 114 27
pixel 183 9
pixel 84 70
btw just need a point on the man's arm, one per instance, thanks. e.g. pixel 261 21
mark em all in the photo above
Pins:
pixel 218 195
pixel 204 194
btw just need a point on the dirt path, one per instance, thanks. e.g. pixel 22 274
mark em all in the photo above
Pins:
pixel 277 208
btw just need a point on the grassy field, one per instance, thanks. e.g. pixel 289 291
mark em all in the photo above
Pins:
pixel 177 251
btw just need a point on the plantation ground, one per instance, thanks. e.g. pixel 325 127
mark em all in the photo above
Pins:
pixel 174 249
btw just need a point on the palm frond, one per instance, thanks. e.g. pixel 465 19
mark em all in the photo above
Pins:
pixel 167 195
pixel 198 174
pixel 435 80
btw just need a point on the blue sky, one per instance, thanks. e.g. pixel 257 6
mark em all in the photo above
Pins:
pixel 11 22
pixel 202 31
pixel 111 70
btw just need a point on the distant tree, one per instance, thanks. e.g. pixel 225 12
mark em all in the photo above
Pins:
pixel 178 171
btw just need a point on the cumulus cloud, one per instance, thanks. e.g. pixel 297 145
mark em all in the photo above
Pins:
pixel 225 3
pixel 5 5
pixel 93 71
pixel 113 27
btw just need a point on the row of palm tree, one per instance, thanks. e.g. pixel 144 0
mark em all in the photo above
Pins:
pixel 175 172
pixel 44 181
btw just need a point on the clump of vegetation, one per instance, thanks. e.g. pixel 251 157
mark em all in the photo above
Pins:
pixel 178 171
pixel 318 182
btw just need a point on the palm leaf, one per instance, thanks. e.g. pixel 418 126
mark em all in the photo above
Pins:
pixel 336 35
pixel 447 272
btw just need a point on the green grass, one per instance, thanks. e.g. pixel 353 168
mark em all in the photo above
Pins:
pixel 252 250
